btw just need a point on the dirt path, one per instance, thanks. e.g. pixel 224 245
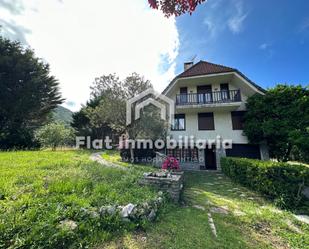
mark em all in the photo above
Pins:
pixel 98 158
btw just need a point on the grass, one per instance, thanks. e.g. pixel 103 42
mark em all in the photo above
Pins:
pixel 40 189
pixel 252 221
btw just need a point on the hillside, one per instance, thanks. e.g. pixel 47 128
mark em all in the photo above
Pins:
pixel 62 114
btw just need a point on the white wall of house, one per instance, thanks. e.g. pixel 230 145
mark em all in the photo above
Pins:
pixel 221 111
pixel 223 127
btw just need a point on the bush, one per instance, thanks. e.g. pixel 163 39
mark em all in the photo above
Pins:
pixel 282 182
pixel 54 135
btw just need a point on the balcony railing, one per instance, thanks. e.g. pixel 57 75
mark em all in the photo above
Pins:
pixel 208 98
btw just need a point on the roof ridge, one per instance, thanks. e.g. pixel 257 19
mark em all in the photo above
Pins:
pixel 215 64
pixel 208 68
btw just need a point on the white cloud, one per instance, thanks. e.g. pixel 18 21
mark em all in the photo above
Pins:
pixel 264 46
pixel 85 39
pixel 218 21
pixel 235 23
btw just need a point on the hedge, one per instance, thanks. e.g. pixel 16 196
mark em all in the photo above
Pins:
pixel 282 182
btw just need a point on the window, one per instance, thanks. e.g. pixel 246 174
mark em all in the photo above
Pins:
pixel 238 120
pixel 244 150
pixel 184 155
pixel 206 121
pixel 224 88
pixel 179 122
pixel 183 95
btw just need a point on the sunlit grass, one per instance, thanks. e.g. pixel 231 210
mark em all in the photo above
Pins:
pixel 39 189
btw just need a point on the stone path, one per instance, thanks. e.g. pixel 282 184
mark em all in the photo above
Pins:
pixel 98 158
pixel 302 218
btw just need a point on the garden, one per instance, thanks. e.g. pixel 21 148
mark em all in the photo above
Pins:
pixel 59 199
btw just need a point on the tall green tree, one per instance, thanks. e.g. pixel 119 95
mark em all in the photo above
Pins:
pixel 281 118
pixel 111 110
pixel 27 96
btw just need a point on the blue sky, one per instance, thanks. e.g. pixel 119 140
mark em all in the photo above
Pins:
pixel 266 40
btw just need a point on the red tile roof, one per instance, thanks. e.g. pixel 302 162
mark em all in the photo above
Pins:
pixel 205 68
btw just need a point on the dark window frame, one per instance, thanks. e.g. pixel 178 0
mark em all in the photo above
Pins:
pixel 184 155
pixel 177 117
pixel 237 118
pixel 206 115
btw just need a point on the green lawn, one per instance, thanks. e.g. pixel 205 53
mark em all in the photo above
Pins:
pixel 251 221
pixel 40 189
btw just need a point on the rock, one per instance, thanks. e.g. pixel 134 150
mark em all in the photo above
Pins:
pixel 159 200
pixel 160 193
pixel 127 210
pixel 302 218
pixel 91 213
pixel 68 224
pixel 152 215
pixel 220 210
pixel 212 225
pixel 199 207
pixel 111 210
pixel 293 227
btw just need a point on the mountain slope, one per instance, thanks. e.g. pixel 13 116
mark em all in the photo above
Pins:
pixel 62 114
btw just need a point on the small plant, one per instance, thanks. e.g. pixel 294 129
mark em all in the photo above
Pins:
pixel 170 164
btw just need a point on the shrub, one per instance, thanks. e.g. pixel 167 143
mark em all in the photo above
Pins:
pixel 54 135
pixel 282 182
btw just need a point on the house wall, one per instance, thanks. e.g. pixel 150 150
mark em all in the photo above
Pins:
pixel 221 111
pixel 223 128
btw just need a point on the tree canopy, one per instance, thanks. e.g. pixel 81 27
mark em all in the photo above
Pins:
pixel 55 135
pixel 281 118
pixel 106 110
pixel 175 7
pixel 28 94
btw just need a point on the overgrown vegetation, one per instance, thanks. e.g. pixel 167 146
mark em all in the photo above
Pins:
pixel 40 190
pixel 280 118
pixel 282 182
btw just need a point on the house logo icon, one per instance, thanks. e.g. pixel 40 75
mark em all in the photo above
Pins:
pixel 147 97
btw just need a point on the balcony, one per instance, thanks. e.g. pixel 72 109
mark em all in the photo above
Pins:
pixel 209 98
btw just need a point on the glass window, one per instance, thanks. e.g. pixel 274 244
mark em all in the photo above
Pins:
pixel 179 122
pixel 238 120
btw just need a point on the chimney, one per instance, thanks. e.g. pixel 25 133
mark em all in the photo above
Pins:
pixel 187 65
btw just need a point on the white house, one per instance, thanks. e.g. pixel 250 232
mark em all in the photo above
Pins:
pixel 210 101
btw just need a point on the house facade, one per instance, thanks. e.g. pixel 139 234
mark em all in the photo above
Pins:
pixel 210 102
